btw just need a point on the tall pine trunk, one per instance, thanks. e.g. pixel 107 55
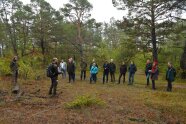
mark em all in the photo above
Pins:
pixel 153 34
pixel 183 63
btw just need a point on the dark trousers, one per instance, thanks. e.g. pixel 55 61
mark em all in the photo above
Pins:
pixel 93 78
pixel 15 76
pixel 53 86
pixel 169 85
pixel 121 74
pixel 112 75
pixel 83 74
pixel 153 85
pixel 71 76
pixel 105 74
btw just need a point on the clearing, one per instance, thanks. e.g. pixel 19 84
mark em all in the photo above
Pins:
pixel 123 104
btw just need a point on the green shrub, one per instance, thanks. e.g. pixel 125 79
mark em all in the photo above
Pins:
pixel 5 67
pixel 25 69
pixel 84 101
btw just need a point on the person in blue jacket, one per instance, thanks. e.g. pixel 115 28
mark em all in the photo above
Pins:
pixel 170 76
pixel 93 72
pixel 132 69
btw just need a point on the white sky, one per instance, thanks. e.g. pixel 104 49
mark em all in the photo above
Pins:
pixel 102 11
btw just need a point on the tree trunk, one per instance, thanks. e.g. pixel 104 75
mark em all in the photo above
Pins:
pixel 43 49
pixel 25 35
pixel 14 40
pixel 183 63
pixel 153 34
pixel 80 40
pixel 9 29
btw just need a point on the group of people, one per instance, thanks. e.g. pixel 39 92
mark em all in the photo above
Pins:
pixel 56 68
pixel 151 71
pixel 108 68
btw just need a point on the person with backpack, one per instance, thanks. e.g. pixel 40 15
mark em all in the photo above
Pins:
pixel 112 68
pixel 105 71
pixel 147 68
pixel 14 67
pixel 52 72
pixel 123 70
pixel 71 70
pixel 93 73
pixel 170 76
pixel 83 67
pixel 154 73
pixel 63 67
pixel 132 70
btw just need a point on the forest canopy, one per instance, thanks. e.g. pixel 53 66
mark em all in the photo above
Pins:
pixel 37 32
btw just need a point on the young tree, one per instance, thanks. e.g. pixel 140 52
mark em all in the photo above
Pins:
pixel 42 28
pixel 7 10
pixel 77 12
pixel 2 38
pixel 24 18
pixel 155 13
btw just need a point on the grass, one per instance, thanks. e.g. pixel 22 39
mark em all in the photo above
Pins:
pixel 121 103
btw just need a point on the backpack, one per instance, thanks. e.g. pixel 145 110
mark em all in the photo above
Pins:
pixel 174 72
pixel 49 71
pixel 135 68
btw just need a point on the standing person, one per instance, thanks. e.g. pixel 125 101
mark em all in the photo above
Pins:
pixel 170 76
pixel 53 68
pixel 132 71
pixel 63 67
pixel 154 73
pixel 112 68
pixel 105 71
pixel 14 68
pixel 147 68
pixel 74 75
pixel 93 72
pixel 123 70
pixel 93 61
pixel 83 67
pixel 71 70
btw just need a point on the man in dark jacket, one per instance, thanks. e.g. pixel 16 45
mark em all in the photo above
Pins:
pixel 112 68
pixel 123 70
pixel 170 76
pixel 14 68
pixel 105 71
pixel 83 67
pixel 54 76
pixel 132 70
pixel 147 68
pixel 71 70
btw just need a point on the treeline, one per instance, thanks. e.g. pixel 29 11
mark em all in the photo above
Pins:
pixel 36 32
pixel 39 29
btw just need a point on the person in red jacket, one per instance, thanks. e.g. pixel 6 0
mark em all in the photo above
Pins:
pixel 154 73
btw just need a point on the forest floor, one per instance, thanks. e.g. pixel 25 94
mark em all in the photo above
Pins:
pixel 123 104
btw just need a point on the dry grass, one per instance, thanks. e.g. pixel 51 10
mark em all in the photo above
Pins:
pixel 123 103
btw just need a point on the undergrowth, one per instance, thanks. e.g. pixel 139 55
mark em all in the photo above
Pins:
pixel 84 101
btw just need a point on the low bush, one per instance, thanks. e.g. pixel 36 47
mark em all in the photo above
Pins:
pixel 5 67
pixel 84 101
